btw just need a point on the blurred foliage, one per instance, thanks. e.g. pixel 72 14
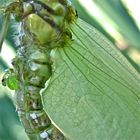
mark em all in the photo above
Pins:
pixel 9 123
pixel 123 23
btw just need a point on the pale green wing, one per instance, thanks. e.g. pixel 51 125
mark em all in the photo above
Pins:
pixel 94 92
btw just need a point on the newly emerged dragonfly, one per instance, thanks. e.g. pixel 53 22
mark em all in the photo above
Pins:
pixel 88 94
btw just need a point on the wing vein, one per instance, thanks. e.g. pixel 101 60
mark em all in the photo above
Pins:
pixel 107 51
pixel 97 84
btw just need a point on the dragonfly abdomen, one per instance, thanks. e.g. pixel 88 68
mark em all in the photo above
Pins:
pixel 28 98
pixel 32 73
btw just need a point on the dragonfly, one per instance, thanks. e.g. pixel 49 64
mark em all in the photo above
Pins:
pixel 70 81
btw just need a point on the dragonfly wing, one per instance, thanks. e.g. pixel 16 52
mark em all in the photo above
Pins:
pixel 94 91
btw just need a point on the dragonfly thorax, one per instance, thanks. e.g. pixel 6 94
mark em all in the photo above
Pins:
pixel 45 24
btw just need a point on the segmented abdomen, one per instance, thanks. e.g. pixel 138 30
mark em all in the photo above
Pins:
pixel 32 66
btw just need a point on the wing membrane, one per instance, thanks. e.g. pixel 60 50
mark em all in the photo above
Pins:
pixel 94 91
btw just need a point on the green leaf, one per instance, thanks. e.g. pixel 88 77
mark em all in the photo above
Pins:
pixel 93 93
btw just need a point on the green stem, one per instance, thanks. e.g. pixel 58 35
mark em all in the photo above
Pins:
pixel 4 29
